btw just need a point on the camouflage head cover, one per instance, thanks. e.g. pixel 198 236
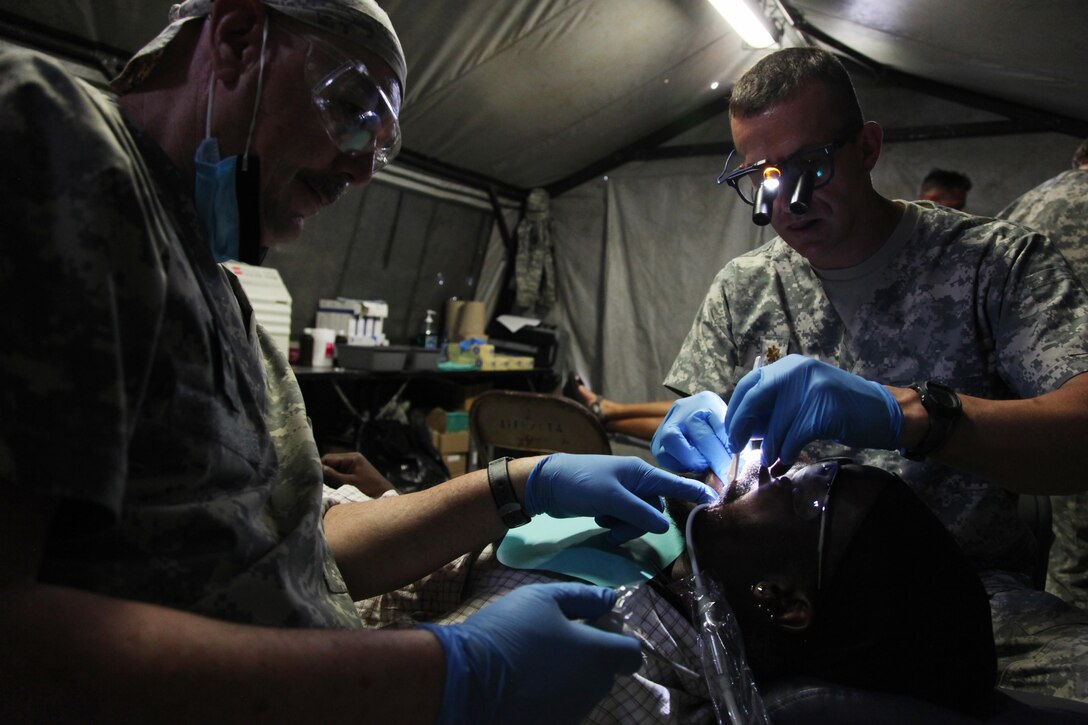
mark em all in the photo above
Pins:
pixel 360 22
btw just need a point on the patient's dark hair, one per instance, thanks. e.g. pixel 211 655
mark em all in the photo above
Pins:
pixel 776 77
pixel 903 612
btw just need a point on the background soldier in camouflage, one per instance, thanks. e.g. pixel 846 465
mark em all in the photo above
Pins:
pixel 897 292
pixel 1058 208
pixel 947 188
pixel 165 554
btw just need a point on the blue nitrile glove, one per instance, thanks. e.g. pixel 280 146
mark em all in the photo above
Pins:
pixel 622 492
pixel 522 659
pixel 692 436
pixel 797 400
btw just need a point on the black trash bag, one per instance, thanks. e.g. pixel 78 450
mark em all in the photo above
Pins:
pixel 402 451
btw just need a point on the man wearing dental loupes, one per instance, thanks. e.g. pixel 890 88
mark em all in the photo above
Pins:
pixel 947 348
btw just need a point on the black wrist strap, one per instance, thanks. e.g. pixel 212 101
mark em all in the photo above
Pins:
pixel 943 417
pixel 502 490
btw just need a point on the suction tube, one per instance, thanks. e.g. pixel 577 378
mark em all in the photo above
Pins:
pixel 725 666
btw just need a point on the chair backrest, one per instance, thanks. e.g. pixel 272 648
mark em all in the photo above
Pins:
pixel 530 423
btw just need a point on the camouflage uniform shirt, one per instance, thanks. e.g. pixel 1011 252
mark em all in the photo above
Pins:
pixel 133 392
pixel 1058 208
pixel 985 306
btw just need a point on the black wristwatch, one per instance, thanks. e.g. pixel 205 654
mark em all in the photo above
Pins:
pixel 944 409
pixel 502 490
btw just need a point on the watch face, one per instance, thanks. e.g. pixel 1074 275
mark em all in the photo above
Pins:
pixel 943 396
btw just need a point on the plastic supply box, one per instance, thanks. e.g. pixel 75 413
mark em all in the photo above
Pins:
pixel 369 357
pixel 422 358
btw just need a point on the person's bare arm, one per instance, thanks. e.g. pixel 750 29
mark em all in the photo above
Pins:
pixel 1028 446
pixel 72 656
pixel 635 427
pixel 387 543
pixel 614 411
pixel 638 420
pixel 353 469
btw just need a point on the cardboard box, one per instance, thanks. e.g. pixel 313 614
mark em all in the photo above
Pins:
pixel 504 362
pixel 471 355
pixel 450 442
pixel 455 463
pixel 447 421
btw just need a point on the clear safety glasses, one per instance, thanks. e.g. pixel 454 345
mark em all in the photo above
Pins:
pixel 799 174
pixel 355 111
pixel 811 493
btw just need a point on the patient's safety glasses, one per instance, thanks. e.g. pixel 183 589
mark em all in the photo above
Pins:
pixel 811 493
pixel 758 184
pixel 355 111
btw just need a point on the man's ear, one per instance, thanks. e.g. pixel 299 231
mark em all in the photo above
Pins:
pixel 787 606
pixel 872 140
pixel 236 27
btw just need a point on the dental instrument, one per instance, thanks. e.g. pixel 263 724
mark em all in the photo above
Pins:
pixel 753 444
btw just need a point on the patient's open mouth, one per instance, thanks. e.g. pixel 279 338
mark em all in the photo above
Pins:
pixel 736 489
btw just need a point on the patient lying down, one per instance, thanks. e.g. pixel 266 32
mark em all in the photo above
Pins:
pixel 837 571
pixel 887 602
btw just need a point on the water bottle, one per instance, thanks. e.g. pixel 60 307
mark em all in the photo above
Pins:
pixel 428 334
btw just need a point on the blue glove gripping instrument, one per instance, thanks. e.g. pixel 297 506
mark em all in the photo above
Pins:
pixel 523 659
pixel 797 400
pixel 622 493
pixel 692 436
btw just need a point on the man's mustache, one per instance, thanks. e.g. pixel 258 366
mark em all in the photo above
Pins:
pixel 328 188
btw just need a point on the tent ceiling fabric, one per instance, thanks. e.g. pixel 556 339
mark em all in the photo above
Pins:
pixel 536 91
pixel 1029 53
pixel 531 95
pixel 532 92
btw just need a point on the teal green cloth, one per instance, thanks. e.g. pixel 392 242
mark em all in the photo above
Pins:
pixel 447 366
pixel 579 548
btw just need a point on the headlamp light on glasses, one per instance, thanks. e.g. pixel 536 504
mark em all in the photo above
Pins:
pixel 799 175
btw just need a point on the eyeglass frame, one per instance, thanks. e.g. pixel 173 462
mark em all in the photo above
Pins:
pixel 732 179
pixel 382 156
pixel 820 502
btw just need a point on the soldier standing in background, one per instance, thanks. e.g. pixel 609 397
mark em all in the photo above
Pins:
pixel 1058 208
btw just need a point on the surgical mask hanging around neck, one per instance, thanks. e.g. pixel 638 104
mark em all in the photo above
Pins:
pixel 227 190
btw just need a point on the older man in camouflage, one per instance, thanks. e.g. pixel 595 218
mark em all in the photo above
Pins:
pixel 861 297
pixel 165 553
pixel 1058 208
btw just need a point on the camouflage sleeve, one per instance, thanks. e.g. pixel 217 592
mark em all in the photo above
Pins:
pixel 1057 208
pixel 87 284
pixel 708 356
pixel 745 316
pixel 1042 334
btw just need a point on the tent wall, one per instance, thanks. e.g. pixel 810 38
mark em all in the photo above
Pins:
pixel 411 240
pixel 636 252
